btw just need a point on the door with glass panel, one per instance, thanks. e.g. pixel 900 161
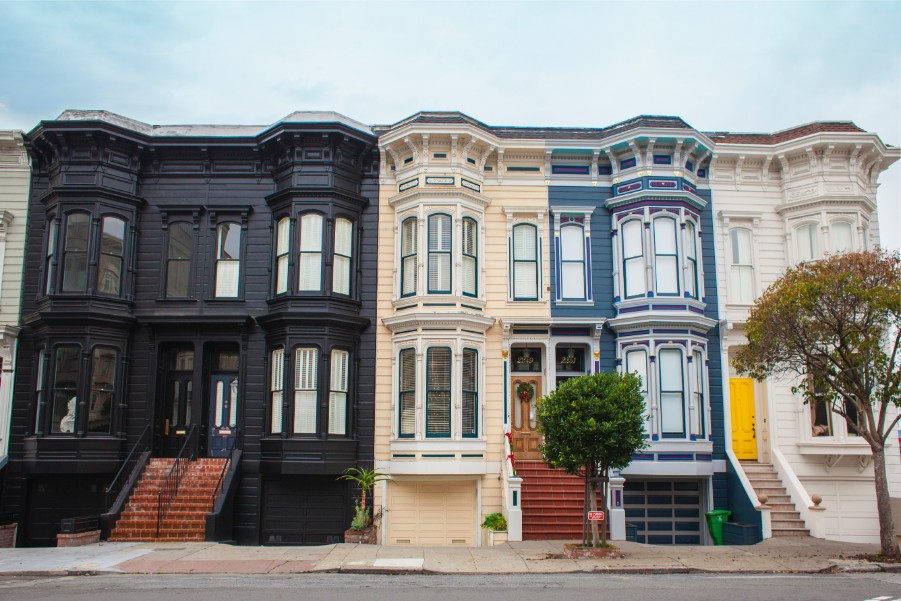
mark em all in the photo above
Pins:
pixel 176 400
pixel 525 390
pixel 223 415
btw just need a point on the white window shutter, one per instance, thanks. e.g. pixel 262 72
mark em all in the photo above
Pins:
pixel 337 419
pixel 305 376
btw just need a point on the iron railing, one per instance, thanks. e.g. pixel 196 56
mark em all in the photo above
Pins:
pixel 170 485
pixel 228 460
pixel 122 477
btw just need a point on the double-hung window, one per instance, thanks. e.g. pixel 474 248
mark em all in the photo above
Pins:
pixel 277 389
pixel 572 262
pixel 633 259
pixel 282 248
pixel 691 260
pixel 75 252
pixel 309 276
pixel 470 243
pixel 406 401
pixel 637 363
pixel 408 249
pixel 470 394
pixel 525 262
pixel 672 401
pixel 112 252
pixel 178 259
pixel 52 233
pixel 438 392
pixel 697 401
pixel 807 242
pixel 666 256
pixel 440 254
pixel 39 392
pixel 103 381
pixel 228 260
pixel 67 363
pixel 741 271
pixel 337 402
pixel 841 238
pixel 341 266
pixel 306 374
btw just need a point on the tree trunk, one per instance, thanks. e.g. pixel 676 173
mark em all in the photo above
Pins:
pixel 603 485
pixel 887 538
pixel 586 504
pixel 593 493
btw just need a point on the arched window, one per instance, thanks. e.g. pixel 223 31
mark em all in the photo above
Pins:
pixel 808 245
pixel 572 262
pixel 525 262
pixel 470 249
pixel 310 265
pixel 633 259
pixel 341 266
pixel 666 256
pixel 75 253
pixel 282 248
pixel 408 249
pixel 440 254
pixel 112 251
pixel 741 271
pixel 841 237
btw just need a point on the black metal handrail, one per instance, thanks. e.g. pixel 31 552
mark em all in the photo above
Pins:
pixel 170 485
pixel 121 479
pixel 224 471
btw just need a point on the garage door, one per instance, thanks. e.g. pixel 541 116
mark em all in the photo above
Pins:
pixel 54 498
pixel 664 513
pixel 432 513
pixel 305 510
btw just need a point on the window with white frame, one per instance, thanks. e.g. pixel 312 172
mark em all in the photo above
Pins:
pixel 438 392
pixel 672 399
pixel 633 259
pixel 439 255
pixel 408 252
pixel 341 267
pixel 406 402
pixel 470 394
pixel 309 276
pixel 306 375
pixel 337 401
pixel 277 389
pixel 841 238
pixel 637 363
pixel 470 243
pixel 691 259
pixel 525 263
pixel 807 241
pixel 572 262
pixel 282 248
pixel 228 260
pixel 666 256
pixel 741 270
pixel 697 396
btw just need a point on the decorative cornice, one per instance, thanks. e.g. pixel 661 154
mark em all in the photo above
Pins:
pixel 446 320
pixel 420 195
pixel 660 319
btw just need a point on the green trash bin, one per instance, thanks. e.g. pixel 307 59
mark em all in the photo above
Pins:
pixel 715 521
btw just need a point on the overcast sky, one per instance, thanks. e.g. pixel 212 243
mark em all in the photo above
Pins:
pixel 732 66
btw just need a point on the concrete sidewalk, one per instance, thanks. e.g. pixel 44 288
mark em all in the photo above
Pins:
pixel 786 555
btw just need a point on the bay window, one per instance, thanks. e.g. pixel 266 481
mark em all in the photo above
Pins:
pixel 439 255
pixel 75 252
pixel 840 237
pixel 309 277
pixel 807 242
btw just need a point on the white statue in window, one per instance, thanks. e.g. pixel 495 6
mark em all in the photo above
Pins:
pixel 67 423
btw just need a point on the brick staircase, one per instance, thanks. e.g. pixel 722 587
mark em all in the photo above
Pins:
pixel 552 502
pixel 186 518
pixel 785 519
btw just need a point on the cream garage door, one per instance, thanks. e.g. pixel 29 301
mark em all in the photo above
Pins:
pixel 432 513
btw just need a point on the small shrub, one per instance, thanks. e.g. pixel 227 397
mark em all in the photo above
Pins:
pixel 495 521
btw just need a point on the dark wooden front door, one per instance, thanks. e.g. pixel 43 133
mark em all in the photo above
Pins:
pixel 223 414
pixel 176 402
pixel 526 440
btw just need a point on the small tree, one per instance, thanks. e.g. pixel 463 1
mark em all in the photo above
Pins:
pixel 592 424
pixel 365 479
pixel 837 324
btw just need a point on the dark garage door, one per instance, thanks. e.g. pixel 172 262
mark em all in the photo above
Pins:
pixel 305 510
pixel 53 498
pixel 664 512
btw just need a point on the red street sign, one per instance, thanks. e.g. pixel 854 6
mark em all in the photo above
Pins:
pixel 596 516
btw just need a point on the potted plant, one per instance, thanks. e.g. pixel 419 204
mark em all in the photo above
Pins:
pixel 496 525
pixel 362 527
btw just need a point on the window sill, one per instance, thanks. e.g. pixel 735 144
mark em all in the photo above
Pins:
pixel 434 444
pixel 679 445
pixel 835 446
pixel 574 303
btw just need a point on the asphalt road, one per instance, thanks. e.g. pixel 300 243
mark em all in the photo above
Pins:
pixel 351 587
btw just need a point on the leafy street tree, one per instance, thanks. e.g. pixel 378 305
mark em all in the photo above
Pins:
pixel 836 323
pixel 592 424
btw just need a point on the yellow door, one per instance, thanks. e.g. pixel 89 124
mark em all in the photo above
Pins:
pixel 744 419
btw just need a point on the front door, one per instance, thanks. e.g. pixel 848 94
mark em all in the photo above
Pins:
pixel 223 414
pixel 177 413
pixel 744 418
pixel 526 439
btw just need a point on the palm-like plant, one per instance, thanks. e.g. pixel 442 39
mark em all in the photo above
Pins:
pixel 365 478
